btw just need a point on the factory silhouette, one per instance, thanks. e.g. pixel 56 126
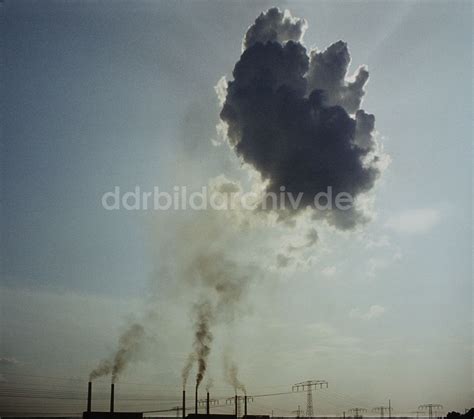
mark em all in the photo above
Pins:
pixel 194 412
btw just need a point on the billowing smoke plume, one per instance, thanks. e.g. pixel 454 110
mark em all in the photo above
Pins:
pixel 203 338
pixel 104 368
pixel 231 375
pixel 219 278
pixel 128 347
pixel 296 118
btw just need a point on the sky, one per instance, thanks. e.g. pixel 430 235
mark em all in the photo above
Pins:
pixel 99 94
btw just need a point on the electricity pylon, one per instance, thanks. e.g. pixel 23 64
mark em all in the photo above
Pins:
pixel 298 412
pixel 382 410
pixel 308 386
pixel 357 412
pixel 430 407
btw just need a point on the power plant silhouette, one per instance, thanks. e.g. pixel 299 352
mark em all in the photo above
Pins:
pixel 207 402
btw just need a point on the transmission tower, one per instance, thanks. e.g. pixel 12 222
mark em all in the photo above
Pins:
pixel 382 410
pixel 430 407
pixel 357 412
pixel 308 386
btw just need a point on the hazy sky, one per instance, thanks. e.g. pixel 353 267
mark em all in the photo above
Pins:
pixel 103 94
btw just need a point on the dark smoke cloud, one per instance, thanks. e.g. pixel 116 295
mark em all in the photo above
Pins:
pixel 104 368
pixel 203 338
pixel 128 347
pixel 290 115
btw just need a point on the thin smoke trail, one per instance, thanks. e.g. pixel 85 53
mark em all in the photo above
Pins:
pixel 129 345
pixel 231 374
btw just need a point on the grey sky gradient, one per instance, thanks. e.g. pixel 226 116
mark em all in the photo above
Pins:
pixel 99 94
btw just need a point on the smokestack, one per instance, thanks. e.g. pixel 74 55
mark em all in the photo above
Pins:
pixel 112 395
pixel 196 401
pixel 245 405
pixel 208 407
pixel 89 396
pixel 184 404
pixel 236 405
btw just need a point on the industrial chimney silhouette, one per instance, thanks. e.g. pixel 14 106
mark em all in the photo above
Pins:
pixel 196 401
pixel 89 396
pixel 184 404
pixel 112 395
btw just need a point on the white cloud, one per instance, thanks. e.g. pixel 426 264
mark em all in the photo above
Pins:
pixel 415 221
pixel 373 312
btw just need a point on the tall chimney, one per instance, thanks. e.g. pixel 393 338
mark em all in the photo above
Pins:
pixel 196 401
pixel 208 402
pixel 236 406
pixel 89 396
pixel 184 404
pixel 112 395
pixel 245 405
